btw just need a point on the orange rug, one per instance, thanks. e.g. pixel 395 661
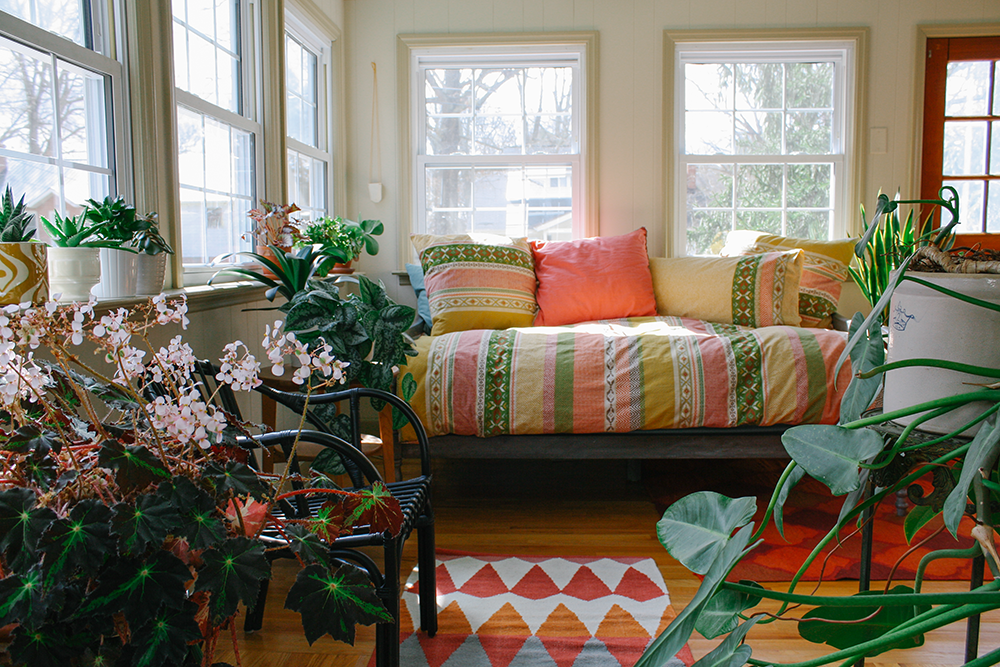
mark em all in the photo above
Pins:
pixel 810 512
pixel 528 611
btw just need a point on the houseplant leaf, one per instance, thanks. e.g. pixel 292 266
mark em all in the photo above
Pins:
pixel 232 574
pixel 134 584
pixel 842 634
pixel 696 528
pixel 832 454
pixel 136 467
pixel 332 601
pixel 794 477
pixel 236 477
pixel 81 540
pixel 376 507
pixel 732 652
pixel 867 355
pixel 164 639
pixel 199 523
pixel 982 448
pixel 21 527
pixel 23 598
pixel 48 646
pixel 306 545
pixel 721 613
pixel 145 522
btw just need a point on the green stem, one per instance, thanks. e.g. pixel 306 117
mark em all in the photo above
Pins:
pixel 955 400
pixel 935 363
pixel 918 580
pixel 957 295
pixel 890 455
pixel 991 658
pixel 955 433
pixel 986 594
pixel 774 500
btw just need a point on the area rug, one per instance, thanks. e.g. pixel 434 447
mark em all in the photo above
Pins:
pixel 810 511
pixel 527 611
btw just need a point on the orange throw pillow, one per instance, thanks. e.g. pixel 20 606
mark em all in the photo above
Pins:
pixel 593 279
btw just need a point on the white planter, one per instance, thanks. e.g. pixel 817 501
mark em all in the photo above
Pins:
pixel 118 274
pixel 24 273
pixel 151 270
pixel 928 324
pixel 73 272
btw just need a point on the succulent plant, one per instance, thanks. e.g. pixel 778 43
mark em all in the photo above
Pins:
pixel 15 220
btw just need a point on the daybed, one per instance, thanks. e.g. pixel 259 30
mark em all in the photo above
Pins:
pixel 589 349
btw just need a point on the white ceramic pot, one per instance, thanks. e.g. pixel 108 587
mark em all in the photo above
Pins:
pixel 73 272
pixel 925 323
pixel 150 273
pixel 24 273
pixel 118 274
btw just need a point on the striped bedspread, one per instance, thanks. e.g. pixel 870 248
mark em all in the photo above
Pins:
pixel 623 375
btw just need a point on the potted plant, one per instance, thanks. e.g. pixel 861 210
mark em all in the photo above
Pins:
pixel 273 227
pixel 341 241
pixel 128 525
pixel 117 223
pixel 25 275
pixel 709 532
pixel 151 263
pixel 74 255
pixel 285 273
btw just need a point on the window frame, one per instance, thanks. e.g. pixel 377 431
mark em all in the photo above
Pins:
pixel 101 61
pixel 785 42
pixel 410 48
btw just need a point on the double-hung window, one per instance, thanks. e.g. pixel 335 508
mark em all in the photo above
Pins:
pixel 218 128
pixel 765 140
pixel 307 66
pixel 62 124
pixel 500 138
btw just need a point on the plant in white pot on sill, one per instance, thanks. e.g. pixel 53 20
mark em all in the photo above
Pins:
pixel 74 255
pixel 151 262
pixel 24 275
pixel 117 222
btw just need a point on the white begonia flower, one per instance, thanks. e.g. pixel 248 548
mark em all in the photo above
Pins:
pixel 241 373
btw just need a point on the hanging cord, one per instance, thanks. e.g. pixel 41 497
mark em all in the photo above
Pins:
pixel 375 148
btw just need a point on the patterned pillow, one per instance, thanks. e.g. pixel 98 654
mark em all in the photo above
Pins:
pixel 752 290
pixel 819 289
pixel 477 282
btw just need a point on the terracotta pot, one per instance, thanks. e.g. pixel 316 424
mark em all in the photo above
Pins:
pixel 266 251
pixel 24 273
pixel 342 268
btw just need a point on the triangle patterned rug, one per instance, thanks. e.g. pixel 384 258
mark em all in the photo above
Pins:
pixel 531 611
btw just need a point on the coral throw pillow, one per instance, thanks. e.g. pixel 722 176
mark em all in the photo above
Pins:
pixel 481 281
pixel 593 279
pixel 752 290
pixel 824 269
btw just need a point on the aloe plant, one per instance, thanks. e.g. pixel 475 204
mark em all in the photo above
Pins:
pixel 290 271
pixel 76 232
pixel 15 220
pixel 709 532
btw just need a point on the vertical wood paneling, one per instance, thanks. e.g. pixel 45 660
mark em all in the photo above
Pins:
pixel 583 14
pixel 534 15
pixel 557 14
pixel 429 15
pixel 774 13
pixel 713 14
pixel 647 86
pixel 470 15
pixel 403 16
pixel 509 16
pixel 751 14
pixel 801 13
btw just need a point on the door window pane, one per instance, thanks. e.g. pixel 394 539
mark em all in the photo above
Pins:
pixel 967 89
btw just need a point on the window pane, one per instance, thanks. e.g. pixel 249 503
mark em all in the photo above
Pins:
pixel 307 184
pixel 449 135
pixel 809 85
pixel 63 17
pixel 549 203
pixel 449 188
pixel 449 222
pixel 995 147
pixel 759 85
pixel 809 225
pixel 710 185
pixel 708 87
pixel 964 148
pixel 708 133
pixel 707 230
pixel 548 90
pixel 498 135
pixel 993 207
pixel 27 113
pixel 552 134
pixel 448 91
pixel 206 51
pixel 82 117
pixel 809 133
pixel 498 91
pixel 758 133
pixel 810 186
pixel 759 185
pixel 301 92
pixel 967 89
pixel 970 198
pixel 761 221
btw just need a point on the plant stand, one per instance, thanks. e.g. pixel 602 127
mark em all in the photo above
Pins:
pixel 891 429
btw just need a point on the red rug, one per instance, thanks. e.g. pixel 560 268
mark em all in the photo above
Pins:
pixel 810 512
pixel 528 611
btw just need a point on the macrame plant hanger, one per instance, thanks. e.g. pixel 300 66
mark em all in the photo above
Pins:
pixel 375 148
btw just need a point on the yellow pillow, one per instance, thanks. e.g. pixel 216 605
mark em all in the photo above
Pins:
pixel 750 290
pixel 482 281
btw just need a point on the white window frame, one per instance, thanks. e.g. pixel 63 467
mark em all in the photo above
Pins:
pixel 251 105
pixel 845 46
pixel 100 62
pixel 319 39
pixel 416 53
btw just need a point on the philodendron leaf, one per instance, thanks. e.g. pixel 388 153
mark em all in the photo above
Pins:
pixel 199 523
pixel 870 353
pixel 721 614
pixel 854 498
pixel 732 652
pixel 333 601
pixel 23 599
pixel 679 631
pixel 232 573
pixel 982 448
pixel 376 507
pixel 133 584
pixel 794 477
pixel 164 639
pixel 917 518
pixel 81 540
pixel 135 466
pixel 146 522
pixel 21 527
pixel 832 454
pixel 696 528
pixel 843 634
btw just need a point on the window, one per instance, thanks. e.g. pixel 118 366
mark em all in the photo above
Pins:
pixel 60 122
pixel 764 139
pixel 961 140
pixel 307 63
pixel 500 136
pixel 218 134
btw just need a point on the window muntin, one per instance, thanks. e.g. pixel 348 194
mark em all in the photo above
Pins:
pixel 763 135
pixel 498 145
pixel 219 149
pixel 59 139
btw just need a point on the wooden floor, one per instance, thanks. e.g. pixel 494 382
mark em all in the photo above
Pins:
pixel 576 508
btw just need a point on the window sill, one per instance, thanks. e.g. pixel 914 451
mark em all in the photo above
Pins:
pixel 199 297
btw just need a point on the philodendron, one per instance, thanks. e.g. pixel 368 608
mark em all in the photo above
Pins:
pixel 709 533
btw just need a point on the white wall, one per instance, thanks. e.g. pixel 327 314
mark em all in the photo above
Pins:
pixel 631 63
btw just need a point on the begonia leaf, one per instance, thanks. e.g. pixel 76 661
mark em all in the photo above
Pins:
pixel 236 477
pixel 200 524
pixel 375 506
pixel 137 587
pixel 21 527
pixel 32 438
pixel 232 574
pixel 135 466
pixel 146 522
pixel 48 646
pixel 81 540
pixel 306 545
pixel 332 601
pixel 164 639
pixel 23 598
